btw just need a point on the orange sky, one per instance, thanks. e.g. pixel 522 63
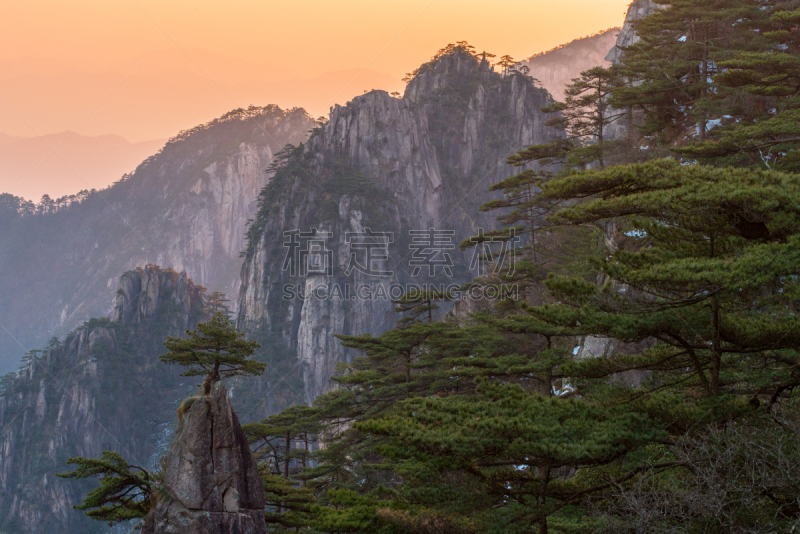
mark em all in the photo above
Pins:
pixel 145 69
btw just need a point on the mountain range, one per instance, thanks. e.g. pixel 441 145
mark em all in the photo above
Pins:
pixel 557 67
pixel 161 93
pixel 80 288
pixel 219 207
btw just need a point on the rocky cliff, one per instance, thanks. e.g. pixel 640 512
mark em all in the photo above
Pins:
pixel 557 67
pixel 185 207
pixel 101 388
pixel 211 481
pixel 387 166
pixel 638 10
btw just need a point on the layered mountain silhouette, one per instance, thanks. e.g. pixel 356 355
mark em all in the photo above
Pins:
pixel 185 207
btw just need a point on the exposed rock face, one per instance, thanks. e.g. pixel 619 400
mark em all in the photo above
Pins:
pixel 389 165
pixel 556 68
pixel 638 10
pixel 185 207
pixel 142 292
pixel 102 388
pixel 211 479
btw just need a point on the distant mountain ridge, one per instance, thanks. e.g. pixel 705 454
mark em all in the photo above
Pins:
pixel 169 91
pixel 557 67
pixel 185 207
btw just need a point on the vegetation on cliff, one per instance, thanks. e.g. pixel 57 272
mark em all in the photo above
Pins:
pixel 646 385
pixel 642 381
pixel 217 350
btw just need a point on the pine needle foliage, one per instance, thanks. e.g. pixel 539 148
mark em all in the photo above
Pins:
pixel 125 492
pixel 708 266
pixel 215 349
pixel 670 71
pixel 282 443
pixel 768 77
pixel 419 304
pixel 585 115
pixel 217 302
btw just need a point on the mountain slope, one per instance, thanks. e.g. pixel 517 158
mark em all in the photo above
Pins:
pixel 382 164
pixel 185 207
pixel 556 68
pixel 102 388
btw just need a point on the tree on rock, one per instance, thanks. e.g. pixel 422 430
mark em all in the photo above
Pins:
pixel 506 63
pixel 215 349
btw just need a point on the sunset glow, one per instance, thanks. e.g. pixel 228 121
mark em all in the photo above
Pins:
pixel 144 70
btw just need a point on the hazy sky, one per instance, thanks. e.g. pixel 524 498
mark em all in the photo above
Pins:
pixel 145 69
pixel 391 36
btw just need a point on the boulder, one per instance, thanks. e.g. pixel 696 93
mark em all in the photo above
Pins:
pixel 211 480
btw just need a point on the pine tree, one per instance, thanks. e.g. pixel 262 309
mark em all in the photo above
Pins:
pixel 497 461
pixel 523 215
pixel 418 305
pixel 506 64
pixel 282 444
pixel 358 484
pixel 585 115
pixel 707 268
pixel 769 79
pixel 217 303
pixel 215 349
pixel 126 491
pixel 670 71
